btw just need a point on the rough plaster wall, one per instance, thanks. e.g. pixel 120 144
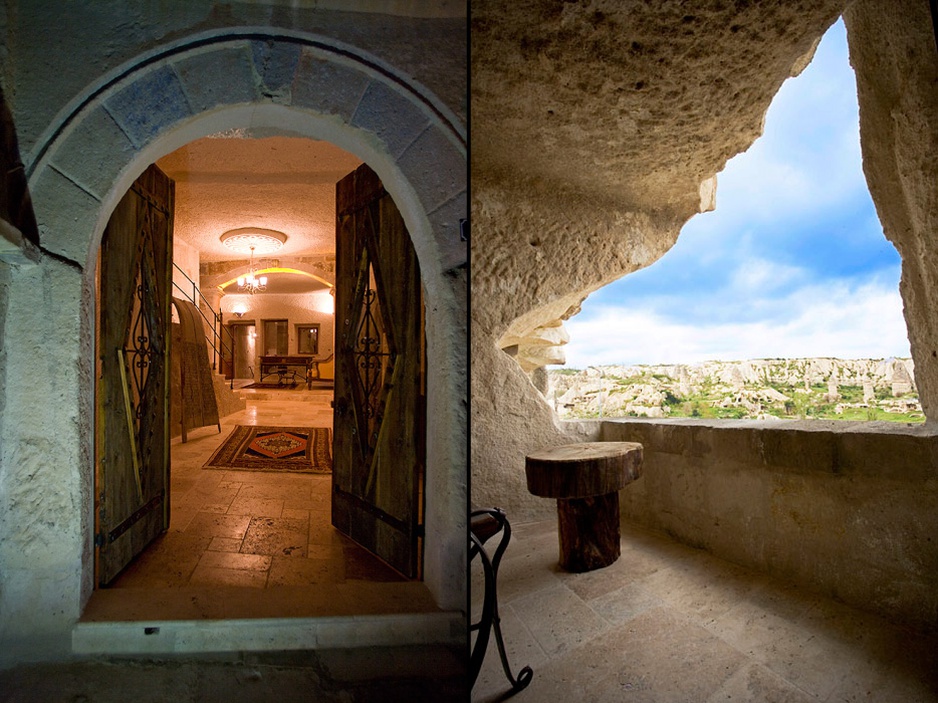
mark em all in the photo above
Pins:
pixel 846 509
pixel 447 398
pixel 596 130
pixel 296 309
pixel 185 257
pixel 893 51
pixel 41 530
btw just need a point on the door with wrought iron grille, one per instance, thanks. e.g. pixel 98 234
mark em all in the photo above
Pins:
pixel 132 394
pixel 379 419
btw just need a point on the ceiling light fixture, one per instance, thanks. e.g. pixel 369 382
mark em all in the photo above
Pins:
pixel 253 239
pixel 252 284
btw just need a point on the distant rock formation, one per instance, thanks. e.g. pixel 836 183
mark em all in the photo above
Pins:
pixel 755 388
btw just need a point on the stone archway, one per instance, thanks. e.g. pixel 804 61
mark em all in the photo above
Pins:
pixel 295 85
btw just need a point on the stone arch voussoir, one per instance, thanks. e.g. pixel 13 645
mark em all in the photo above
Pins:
pixel 292 84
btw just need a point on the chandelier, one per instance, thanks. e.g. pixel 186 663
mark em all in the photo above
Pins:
pixel 252 284
pixel 263 241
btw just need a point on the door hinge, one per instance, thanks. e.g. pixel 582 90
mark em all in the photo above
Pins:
pixel 100 539
pixel 420 531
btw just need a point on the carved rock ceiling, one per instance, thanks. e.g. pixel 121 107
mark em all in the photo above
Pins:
pixel 633 102
pixel 279 183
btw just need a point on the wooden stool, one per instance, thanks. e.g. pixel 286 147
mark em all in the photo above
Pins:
pixel 585 479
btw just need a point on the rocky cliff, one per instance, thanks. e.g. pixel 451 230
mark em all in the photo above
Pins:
pixel 850 389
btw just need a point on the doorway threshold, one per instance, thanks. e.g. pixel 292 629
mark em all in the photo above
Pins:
pixel 229 619
pixel 267 634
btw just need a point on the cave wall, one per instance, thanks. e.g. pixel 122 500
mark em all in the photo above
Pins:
pixel 597 132
pixel 894 52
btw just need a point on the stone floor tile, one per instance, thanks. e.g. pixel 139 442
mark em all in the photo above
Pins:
pixel 275 491
pixel 308 504
pixel 624 603
pixel 334 551
pixel 277 601
pixel 754 682
pixel 216 576
pixel 758 633
pixel 296 514
pixel 290 571
pixel 370 597
pixel 204 529
pixel 224 544
pixel 361 565
pixel 631 565
pixel 241 562
pixel 524 571
pixel 181 519
pixel 276 536
pixel 694 628
pixel 702 592
pixel 521 648
pixel 210 524
pixel 558 619
pixel 256 507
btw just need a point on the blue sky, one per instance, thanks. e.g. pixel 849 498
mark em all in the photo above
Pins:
pixel 792 263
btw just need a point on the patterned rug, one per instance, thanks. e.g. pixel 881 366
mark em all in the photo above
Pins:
pixel 259 448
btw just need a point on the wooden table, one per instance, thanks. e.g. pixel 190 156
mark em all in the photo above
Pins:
pixel 279 364
pixel 585 479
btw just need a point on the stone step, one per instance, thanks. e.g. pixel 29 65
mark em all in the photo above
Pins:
pixel 266 634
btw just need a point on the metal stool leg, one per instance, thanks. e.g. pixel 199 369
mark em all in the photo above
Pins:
pixel 490 619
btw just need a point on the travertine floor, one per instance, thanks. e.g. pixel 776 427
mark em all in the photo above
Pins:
pixel 670 623
pixel 254 544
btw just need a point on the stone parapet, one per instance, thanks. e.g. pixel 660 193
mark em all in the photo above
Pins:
pixel 842 508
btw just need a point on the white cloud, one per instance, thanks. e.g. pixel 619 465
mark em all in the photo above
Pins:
pixel 830 320
pixel 757 274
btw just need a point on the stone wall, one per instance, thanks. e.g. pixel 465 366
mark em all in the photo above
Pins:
pixel 844 509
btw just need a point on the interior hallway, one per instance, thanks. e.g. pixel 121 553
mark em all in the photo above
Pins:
pixel 670 623
pixel 245 544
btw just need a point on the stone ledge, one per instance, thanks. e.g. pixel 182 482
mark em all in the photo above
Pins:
pixel 899 452
pixel 845 509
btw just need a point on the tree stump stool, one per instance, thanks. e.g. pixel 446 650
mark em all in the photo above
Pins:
pixel 585 479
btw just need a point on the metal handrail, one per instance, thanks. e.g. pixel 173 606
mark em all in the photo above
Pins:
pixel 217 339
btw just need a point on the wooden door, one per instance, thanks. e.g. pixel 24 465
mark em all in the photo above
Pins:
pixel 132 449
pixel 379 419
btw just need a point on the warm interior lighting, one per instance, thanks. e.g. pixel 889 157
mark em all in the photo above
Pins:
pixel 239 309
pixel 250 283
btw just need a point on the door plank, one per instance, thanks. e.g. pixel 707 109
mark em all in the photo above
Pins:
pixel 379 423
pixel 132 399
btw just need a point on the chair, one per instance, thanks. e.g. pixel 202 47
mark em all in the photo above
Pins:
pixel 484 525
pixel 314 367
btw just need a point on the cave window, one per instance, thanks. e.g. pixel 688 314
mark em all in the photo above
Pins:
pixel 792 265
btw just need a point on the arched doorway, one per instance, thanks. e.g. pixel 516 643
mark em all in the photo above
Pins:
pixel 163 101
